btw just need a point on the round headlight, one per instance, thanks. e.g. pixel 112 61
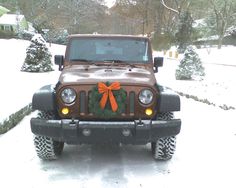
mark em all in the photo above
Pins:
pixel 145 96
pixel 68 95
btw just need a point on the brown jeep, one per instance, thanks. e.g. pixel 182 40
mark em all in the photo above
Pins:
pixel 107 93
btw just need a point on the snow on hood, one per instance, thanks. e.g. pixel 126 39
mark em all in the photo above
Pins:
pixel 81 74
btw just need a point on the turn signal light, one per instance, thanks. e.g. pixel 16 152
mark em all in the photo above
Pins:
pixel 65 111
pixel 148 111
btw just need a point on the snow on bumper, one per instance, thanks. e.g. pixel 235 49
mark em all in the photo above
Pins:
pixel 130 132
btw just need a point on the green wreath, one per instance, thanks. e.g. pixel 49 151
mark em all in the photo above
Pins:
pixel 94 103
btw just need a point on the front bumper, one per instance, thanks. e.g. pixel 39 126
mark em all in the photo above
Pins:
pixel 127 132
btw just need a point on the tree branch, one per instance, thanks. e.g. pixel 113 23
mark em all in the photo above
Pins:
pixel 171 9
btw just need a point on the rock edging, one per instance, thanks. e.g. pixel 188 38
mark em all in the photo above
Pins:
pixel 15 118
pixel 206 101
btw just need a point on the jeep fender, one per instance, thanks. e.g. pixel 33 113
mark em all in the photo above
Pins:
pixel 44 99
pixel 168 100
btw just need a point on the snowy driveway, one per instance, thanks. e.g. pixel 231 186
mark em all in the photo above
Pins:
pixel 205 157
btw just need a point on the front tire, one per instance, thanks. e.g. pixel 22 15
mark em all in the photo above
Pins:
pixel 164 148
pixel 46 148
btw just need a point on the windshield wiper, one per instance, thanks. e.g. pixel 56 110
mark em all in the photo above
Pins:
pixel 84 60
pixel 113 60
pixel 119 62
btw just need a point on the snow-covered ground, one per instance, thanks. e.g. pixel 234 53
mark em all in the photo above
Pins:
pixel 218 86
pixel 18 87
pixel 205 157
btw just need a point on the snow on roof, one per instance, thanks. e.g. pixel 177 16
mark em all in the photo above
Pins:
pixel 3 10
pixel 11 19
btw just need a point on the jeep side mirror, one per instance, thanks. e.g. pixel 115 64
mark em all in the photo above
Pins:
pixel 158 62
pixel 59 60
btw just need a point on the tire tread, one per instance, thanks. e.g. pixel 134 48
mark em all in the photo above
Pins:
pixel 164 148
pixel 46 148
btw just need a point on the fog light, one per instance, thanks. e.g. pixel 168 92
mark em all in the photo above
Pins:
pixel 65 111
pixel 148 111
pixel 126 132
pixel 86 132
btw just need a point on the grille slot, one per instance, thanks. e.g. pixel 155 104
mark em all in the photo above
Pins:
pixel 131 102
pixel 82 97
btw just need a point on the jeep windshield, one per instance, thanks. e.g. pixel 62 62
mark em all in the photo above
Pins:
pixel 118 50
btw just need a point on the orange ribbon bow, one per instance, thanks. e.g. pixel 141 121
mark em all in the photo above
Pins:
pixel 107 93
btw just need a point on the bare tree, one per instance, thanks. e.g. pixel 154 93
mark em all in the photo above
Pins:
pixel 225 14
pixel 177 6
pixel 169 8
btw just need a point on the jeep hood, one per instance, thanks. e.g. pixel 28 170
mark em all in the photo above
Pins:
pixel 81 74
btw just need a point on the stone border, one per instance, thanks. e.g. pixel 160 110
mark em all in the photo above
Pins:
pixel 15 118
pixel 206 101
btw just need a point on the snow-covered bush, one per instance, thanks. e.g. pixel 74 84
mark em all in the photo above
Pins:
pixel 190 66
pixel 26 35
pixel 38 57
pixel 57 36
pixel 231 31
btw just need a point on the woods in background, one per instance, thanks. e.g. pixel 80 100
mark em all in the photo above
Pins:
pixel 168 21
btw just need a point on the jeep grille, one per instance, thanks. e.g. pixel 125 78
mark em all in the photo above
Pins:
pixel 80 109
pixel 84 101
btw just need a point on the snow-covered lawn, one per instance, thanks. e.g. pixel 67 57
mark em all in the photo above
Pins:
pixel 18 87
pixel 212 55
pixel 218 86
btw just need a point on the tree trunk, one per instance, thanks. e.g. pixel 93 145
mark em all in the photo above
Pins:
pixel 220 42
